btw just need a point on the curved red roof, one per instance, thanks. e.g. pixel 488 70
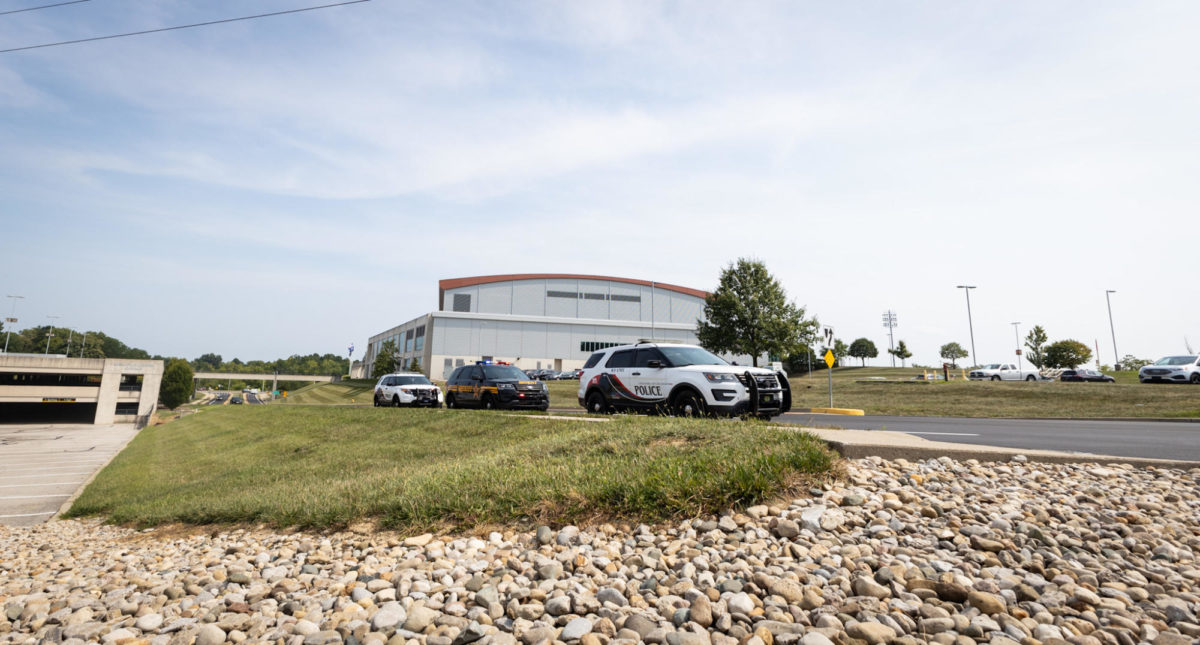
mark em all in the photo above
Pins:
pixel 454 283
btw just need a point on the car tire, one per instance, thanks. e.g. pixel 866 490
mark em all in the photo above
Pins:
pixel 688 404
pixel 544 408
pixel 1031 377
pixel 450 402
pixel 596 404
pixel 1195 380
pixel 995 378
pixel 489 403
pixel 376 400
pixel 395 400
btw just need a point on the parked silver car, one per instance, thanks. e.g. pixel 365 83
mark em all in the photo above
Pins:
pixel 1172 369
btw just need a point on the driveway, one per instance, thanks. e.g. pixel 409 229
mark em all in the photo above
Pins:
pixel 42 466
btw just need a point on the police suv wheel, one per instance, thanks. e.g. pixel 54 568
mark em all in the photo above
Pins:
pixel 489 403
pixel 450 401
pixel 688 404
pixel 596 404
pixel 396 401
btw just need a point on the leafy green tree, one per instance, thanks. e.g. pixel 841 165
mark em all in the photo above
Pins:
pixel 176 388
pixel 385 362
pixel 1036 341
pixel 951 352
pixel 415 366
pixel 862 349
pixel 207 363
pixel 901 352
pixel 840 351
pixel 802 360
pixel 749 313
pixel 1131 362
pixel 1067 354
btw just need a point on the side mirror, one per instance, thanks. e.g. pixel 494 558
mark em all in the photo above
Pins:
pixel 654 364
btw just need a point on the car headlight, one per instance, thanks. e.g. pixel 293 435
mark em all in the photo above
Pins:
pixel 720 378
pixel 505 386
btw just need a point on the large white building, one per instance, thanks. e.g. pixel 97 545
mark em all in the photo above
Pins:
pixel 539 320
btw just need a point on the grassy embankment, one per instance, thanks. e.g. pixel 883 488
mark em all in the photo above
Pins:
pixel 415 470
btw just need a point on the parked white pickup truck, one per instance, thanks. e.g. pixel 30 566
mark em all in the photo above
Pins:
pixel 1001 372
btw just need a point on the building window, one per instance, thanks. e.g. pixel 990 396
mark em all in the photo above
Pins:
pixel 462 302
pixel 592 296
pixel 130 383
pixel 619 298
pixel 127 409
pixel 408 340
pixel 420 345
pixel 593 345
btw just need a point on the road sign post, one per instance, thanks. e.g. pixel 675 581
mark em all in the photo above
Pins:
pixel 829 364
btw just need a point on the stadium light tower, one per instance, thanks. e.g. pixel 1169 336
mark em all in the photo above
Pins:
pixel 889 321
pixel 11 320
pixel 970 325
pixel 1116 356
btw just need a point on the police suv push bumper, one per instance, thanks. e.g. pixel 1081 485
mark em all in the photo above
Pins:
pixel 760 395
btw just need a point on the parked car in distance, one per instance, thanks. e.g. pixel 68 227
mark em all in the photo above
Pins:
pixel 1172 369
pixel 1001 372
pixel 1085 376
pixel 494 384
pixel 237 400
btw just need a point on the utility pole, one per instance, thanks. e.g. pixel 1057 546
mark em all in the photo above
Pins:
pixel 970 325
pixel 1116 356
pixel 889 321
pixel 11 320
pixel 50 333
pixel 1017 336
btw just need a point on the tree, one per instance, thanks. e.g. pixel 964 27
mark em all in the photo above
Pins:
pixel 176 386
pixel 385 362
pixel 749 313
pixel 415 366
pixel 840 351
pixel 862 349
pixel 901 352
pixel 1131 362
pixel 208 362
pixel 1036 342
pixel 1067 354
pixel 952 352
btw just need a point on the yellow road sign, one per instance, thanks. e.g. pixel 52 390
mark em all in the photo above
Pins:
pixel 829 358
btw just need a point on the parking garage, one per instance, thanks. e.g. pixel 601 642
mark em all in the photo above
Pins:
pixel 36 388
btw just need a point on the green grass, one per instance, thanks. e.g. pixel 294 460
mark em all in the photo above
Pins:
pixel 344 393
pixel 326 467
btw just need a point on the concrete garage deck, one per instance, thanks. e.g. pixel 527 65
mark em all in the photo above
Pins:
pixel 43 466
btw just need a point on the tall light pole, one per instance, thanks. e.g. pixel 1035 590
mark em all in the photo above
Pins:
pixel 1017 337
pixel 889 321
pixel 50 333
pixel 970 325
pixel 1116 356
pixel 11 320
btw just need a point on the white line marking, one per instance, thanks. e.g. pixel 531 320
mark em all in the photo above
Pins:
pixel 82 472
pixel 42 484
pixel 33 496
pixel 947 434
pixel 30 514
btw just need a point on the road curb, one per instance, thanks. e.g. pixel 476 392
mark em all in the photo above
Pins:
pixel 847 411
pixel 849 444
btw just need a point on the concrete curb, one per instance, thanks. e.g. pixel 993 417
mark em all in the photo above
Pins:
pixel 857 444
pixel 847 411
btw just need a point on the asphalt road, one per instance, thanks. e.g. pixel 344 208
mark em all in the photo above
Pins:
pixel 1177 440
pixel 41 466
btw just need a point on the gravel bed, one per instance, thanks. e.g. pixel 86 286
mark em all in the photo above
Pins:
pixel 939 551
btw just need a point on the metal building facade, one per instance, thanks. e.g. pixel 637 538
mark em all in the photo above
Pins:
pixel 539 320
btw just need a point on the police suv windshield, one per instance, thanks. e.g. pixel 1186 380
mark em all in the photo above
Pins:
pixel 503 373
pixel 412 380
pixel 684 356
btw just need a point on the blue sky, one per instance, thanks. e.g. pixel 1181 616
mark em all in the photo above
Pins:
pixel 297 183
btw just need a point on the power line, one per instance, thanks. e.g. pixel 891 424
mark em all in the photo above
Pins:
pixel 45 6
pixel 198 24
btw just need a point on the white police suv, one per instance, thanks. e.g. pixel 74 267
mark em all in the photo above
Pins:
pixel 684 380
pixel 407 388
